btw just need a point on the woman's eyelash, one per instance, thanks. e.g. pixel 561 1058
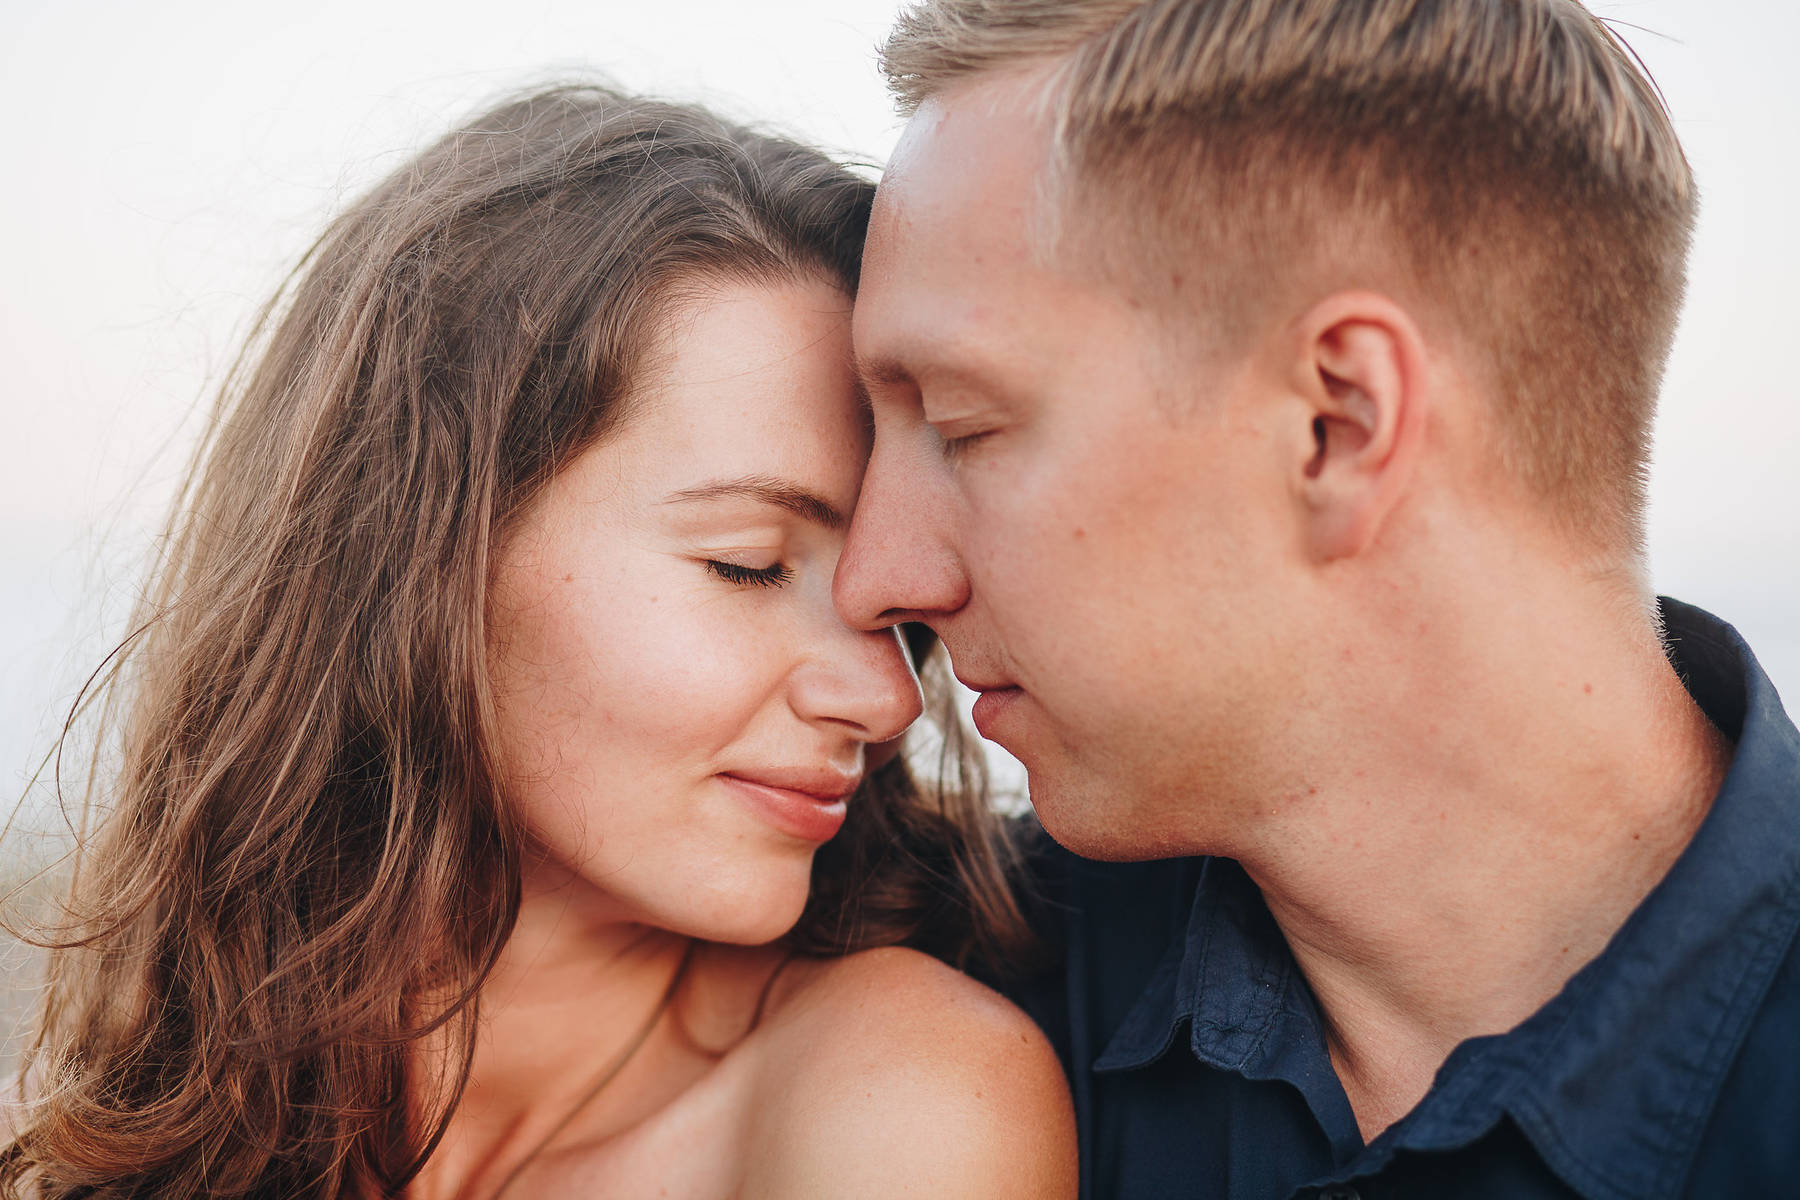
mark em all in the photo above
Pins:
pixel 772 576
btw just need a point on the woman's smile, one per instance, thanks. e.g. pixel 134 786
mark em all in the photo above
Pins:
pixel 811 807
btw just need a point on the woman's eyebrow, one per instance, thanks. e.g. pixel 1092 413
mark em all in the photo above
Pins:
pixel 767 489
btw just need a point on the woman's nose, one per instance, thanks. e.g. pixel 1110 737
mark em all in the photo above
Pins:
pixel 861 682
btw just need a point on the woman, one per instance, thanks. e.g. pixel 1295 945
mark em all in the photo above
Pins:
pixel 498 782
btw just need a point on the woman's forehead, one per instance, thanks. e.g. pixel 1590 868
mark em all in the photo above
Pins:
pixel 752 381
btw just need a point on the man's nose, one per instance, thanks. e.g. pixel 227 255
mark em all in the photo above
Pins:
pixel 900 560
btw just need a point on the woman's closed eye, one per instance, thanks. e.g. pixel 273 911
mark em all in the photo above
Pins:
pixel 773 575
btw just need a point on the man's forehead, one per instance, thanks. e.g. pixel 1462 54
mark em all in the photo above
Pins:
pixel 955 221
pixel 982 116
pixel 973 160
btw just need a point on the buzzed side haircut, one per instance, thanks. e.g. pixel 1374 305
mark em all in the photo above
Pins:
pixel 1504 167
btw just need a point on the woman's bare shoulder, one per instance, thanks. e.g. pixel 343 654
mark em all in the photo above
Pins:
pixel 891 1074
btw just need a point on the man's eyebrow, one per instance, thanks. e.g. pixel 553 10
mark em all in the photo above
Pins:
pixel 947 368
pixel 767 489
pixel 881 372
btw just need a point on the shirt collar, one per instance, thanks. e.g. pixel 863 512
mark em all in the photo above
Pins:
pixel 1232 981
pixel 1612 1080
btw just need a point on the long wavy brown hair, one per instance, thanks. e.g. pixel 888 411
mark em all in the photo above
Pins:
pixel 305 863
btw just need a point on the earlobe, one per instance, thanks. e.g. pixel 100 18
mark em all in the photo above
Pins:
pixel 1362 377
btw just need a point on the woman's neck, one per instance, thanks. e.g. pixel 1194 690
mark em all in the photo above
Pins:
pixel 572 992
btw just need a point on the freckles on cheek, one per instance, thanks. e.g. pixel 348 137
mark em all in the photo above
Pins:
pixel 604 677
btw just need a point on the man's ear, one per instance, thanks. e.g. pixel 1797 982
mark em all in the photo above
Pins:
pixel 1359 369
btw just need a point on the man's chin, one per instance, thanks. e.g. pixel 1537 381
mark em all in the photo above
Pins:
pixel 1093 824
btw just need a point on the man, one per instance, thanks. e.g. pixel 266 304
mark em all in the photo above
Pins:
pixel 1262 391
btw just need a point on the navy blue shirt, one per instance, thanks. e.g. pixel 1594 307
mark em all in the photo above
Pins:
pixel 1667 1067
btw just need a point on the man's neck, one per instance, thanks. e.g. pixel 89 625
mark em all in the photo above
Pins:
pixel 1482 840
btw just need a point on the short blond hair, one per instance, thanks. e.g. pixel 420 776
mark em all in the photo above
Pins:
pixel 1508 161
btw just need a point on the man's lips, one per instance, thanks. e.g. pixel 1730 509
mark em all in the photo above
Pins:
pixel 991 707
pixel 994 696
pixel 977 682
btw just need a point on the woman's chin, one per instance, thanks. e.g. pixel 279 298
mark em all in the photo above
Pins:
pixel 749 916
pixel 743 930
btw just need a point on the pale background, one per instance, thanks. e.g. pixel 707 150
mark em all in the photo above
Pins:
pixel 166 162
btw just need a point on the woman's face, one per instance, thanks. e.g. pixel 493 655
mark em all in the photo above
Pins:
pixel 681 712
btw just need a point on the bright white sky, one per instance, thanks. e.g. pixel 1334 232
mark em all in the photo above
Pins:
pixel 168 161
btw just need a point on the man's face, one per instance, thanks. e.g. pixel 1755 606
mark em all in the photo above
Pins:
pixel 1085 508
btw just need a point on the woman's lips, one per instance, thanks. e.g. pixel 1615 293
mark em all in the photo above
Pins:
pixel 812 815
